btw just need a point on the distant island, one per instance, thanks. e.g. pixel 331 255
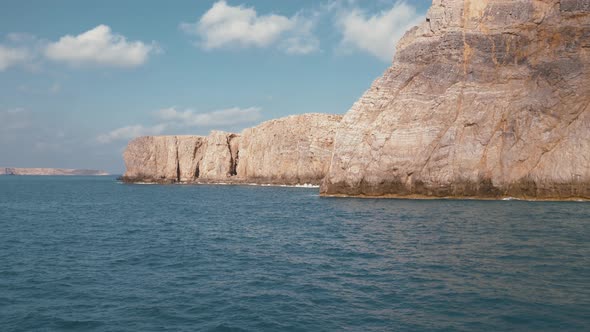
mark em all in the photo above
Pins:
pixel 50 171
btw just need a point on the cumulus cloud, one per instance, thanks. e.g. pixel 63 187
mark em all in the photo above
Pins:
pixel 99 46
pixel 13 56
pixel 302 41
pixel 21 50
pixel 173 119
pixel 225 117
pixel 376 34
pixel 129 132
pixel 237 26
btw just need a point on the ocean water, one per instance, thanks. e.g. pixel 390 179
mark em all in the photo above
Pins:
pixel 91 254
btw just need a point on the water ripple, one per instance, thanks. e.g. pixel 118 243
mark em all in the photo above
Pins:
pixel 87 254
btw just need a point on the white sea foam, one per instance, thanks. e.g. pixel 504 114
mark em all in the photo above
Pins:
pixel 305 185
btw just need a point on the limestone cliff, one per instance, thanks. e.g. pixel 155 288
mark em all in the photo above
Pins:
pixel 170 159
pixel 486 98
pixel 292 150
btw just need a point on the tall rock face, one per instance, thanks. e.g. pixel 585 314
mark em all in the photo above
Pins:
pixel 218 162
pixel 486 98
pixel 292 150
pixel 171 159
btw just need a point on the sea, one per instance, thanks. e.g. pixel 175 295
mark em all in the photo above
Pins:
pixel 93 254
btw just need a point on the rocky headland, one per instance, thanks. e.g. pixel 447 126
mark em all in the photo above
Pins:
pixel 295 150
pixel 50 171
pixel 484 99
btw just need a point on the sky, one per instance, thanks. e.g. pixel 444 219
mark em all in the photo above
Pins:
pixel 79 79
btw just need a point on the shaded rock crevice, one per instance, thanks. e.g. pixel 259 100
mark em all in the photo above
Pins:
pixel 233 147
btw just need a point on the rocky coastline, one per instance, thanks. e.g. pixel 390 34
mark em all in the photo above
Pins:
pixel 295 150
pixel 485 99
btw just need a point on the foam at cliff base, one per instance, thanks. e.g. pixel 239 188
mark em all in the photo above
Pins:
pixel 305 185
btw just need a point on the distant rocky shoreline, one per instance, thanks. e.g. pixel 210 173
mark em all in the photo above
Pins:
pixel 485 99
pixel 295 150
pixel 50 171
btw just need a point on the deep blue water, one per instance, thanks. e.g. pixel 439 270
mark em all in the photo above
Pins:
pixel 90 254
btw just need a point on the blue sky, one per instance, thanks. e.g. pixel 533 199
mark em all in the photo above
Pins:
pixel 78 79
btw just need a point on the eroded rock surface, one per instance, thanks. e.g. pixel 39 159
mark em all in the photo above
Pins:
pixel 292 150
pixel 485 98
pixel 171 159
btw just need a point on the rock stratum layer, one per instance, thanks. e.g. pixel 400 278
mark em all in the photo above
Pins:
pixel 486 98
pixel 292 150
pixel 50 171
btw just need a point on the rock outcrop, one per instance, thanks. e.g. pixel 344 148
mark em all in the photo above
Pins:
pixel 292 150
pixel 486 98
pixel 171 159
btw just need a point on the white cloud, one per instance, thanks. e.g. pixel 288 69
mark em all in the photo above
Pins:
pixel 21 50
pixel 224 24
pixel 295 45
pixel 21 37
pixel 302 41
pixel 99 46
pixel 129 132
pixel 225 117
pixel 376 34
pixel 171 118
pixel 237 26
pixel 13 56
